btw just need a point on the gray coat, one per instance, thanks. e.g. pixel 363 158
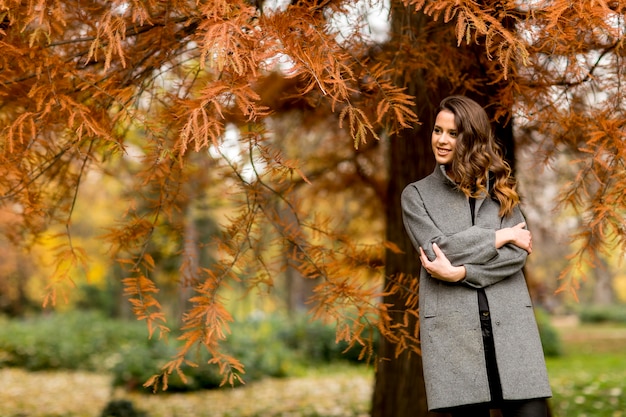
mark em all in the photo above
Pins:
pixel 451 338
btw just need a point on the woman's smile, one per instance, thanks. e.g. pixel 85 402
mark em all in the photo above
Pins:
pixel 443 151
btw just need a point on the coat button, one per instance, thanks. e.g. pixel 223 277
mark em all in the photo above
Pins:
pixel 498 323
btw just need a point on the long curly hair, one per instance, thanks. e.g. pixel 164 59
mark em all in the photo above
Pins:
pixel 477 155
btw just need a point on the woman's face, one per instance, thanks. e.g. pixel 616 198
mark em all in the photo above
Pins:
pixel 444 137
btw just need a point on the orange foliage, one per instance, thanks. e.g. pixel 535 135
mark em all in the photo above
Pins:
pixel 77 76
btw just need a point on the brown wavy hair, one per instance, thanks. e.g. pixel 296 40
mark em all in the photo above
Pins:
pixel 477 155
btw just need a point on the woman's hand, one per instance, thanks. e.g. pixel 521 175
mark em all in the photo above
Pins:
pixel 441 268
pixel 518 235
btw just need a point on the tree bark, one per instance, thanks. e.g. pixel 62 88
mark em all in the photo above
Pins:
pixel 399 389
pixel 399 386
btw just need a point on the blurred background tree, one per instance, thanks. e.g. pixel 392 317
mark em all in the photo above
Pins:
pixel 185 155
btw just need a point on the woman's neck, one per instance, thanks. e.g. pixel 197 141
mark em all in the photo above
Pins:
pixel 449 172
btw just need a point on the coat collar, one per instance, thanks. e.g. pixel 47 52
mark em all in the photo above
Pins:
pixel 440 172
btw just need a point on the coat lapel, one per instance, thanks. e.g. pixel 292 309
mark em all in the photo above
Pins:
pixel 480 201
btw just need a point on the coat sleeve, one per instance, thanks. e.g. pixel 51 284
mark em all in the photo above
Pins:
pixel 510 259
pixel 473 247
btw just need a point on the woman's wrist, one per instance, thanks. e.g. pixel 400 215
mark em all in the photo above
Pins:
pixel 503 236
pixel 462 273
pixel 458 274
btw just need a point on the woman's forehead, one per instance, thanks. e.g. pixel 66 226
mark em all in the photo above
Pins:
pixel 446 119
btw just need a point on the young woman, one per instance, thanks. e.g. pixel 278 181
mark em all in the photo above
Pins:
pixel 480 343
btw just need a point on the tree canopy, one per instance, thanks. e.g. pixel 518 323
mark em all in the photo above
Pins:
pixel 176 97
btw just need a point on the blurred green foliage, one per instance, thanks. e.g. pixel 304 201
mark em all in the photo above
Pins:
pixel 550 338
pixel 267 345
pixel 121 408
pixel 73 340
pixel 612 313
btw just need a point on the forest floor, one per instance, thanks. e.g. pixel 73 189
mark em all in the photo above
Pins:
pixel 344 391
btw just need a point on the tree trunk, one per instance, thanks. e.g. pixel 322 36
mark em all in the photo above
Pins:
pixel 298 288
pixel 399 386
pixel 603 293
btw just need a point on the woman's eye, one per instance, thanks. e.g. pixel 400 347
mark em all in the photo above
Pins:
pixel 437 130
pixel 453 134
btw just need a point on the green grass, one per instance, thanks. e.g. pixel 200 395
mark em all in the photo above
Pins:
pixel 589 380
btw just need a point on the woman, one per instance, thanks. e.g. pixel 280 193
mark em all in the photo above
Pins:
pixel 479 338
